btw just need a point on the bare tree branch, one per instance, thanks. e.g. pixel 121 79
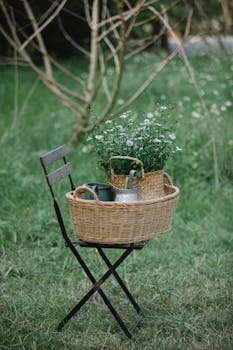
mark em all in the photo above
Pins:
pixel 144 86
pixel 111 25
pixel 45 78
pixel 59 66
pixel 39 38
pixel 103 75
pixel 71 13
pixel 70 40
pixel 14 40
pixel 146 43
pixel 109 35
pixel 94 49
pixel 122 57
pixel 44 25
pixel 87 13
pixel 188 24
pixel 67 72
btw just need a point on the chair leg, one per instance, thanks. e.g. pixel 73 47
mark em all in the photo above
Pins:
pixel 97 288
pixel 119 280
pixel 75 309
pixel 128 333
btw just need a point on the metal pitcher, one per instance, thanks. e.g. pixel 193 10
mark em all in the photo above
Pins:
pixel 126 195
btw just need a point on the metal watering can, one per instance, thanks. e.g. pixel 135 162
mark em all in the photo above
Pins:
pixel 103 191
pixel 126 195
pixel 130 192
pixel 108 192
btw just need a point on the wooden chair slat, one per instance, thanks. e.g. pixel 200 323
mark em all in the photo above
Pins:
pixel 59 173
pixel 54 155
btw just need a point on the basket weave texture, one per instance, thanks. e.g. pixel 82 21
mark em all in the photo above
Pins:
pixel 151 184
pixel 121 222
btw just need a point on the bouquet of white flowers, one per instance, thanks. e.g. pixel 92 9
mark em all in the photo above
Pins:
pixel 152 141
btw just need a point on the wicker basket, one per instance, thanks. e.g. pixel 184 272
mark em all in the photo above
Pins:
pixel 151 184
pixel 120 222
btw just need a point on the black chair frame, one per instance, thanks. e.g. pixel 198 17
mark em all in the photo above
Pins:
pixel 53 177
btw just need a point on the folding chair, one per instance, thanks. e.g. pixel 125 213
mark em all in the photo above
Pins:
pixel 53 177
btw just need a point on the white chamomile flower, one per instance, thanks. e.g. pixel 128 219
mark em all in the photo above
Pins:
pixel 228 103
pixel 129 143
pixel 178 149
pixel 99 137
pixel 195 114
pixel 172 136
pixel 123 116
pixel 146 122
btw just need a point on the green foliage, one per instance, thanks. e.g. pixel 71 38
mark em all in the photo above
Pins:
pixel 152 141
pixel 183 280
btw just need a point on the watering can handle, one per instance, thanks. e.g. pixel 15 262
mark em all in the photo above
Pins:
pixel 136 160
pixel 82 189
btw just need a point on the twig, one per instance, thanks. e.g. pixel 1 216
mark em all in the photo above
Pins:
pixel 69 38
pixel 113 29
pixel 87 13
pixel 39 39
pixel 45 78
pixel 127 15
pixel 146 44
pixel 15 41
pixel 67 72
pixel 47 13
pixel 114 54
pixel 104 80
pixel 43 26
pixel 147 82
pixel 188 24
pixel 59 66
pixel 69 92
pixel 28 96
pixel 122 52
pixel 69 11
pixel 134 17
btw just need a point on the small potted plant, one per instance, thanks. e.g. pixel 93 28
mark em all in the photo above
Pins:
pixel 124 143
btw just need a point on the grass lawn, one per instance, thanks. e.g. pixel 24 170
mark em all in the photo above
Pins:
pixel 183 280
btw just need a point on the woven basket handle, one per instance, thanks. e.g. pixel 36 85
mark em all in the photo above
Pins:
pixel 136 160
pixel 169 179
pixel 82 189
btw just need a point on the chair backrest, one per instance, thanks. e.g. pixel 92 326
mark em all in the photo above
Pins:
pixel 55 176
pixel 61 172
